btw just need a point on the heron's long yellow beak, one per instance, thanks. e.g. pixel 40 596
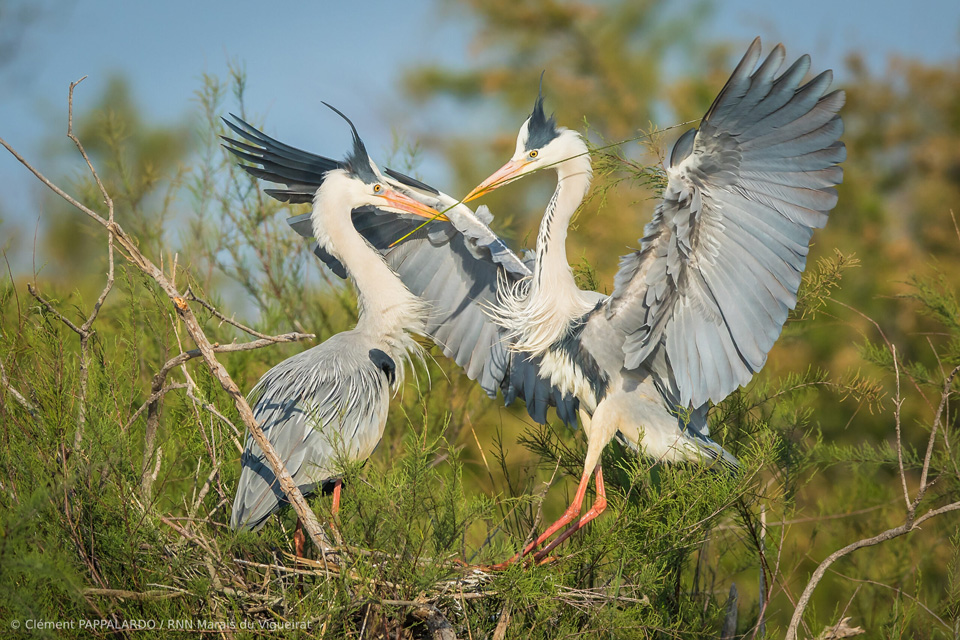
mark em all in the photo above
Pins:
pixel 507 173
pixel 405 203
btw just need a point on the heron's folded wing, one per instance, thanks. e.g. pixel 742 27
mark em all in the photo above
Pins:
pixel 313 407
pixel 720 263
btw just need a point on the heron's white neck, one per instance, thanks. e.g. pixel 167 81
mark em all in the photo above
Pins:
pixel 388 311
pixel 543 309
pixel 552 271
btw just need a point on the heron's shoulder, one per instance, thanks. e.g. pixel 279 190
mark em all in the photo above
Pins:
pixel 340 356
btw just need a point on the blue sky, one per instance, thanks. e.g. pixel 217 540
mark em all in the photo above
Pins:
pixel 349 54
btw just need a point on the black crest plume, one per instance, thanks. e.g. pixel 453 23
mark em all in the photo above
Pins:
pixel 540 129
pixel 358 161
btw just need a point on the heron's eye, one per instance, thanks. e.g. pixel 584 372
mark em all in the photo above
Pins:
pixel 533 154
pixel 377 188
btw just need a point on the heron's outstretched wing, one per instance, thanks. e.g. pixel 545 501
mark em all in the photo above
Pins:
pixel 320 404
pixel 473 225
pixel 438 264
pixel 452 265
pixel 279 163
pixel 720 263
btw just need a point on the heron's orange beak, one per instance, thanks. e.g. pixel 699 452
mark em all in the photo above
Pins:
pixel 507 173
pixel 405 203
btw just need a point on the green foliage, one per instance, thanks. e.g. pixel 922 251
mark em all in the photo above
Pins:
pixel 819 282
pixel 459 482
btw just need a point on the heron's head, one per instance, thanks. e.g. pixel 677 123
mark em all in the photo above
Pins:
pixel 361 182
pixel 541 144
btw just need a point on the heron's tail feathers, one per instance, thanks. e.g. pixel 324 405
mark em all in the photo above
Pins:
pixel 711 452
pixel 258 494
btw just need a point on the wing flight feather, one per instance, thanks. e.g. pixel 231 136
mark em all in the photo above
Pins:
pixel 720 263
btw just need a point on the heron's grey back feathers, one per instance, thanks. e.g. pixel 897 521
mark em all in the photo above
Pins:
pixel 322 403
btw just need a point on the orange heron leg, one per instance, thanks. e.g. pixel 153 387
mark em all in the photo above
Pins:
pixel 571 514
pixel 338 485
pixel 299 539
pixel 598 507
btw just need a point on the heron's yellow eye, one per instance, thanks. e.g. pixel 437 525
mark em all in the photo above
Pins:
pixel 377 188
pixel 533 154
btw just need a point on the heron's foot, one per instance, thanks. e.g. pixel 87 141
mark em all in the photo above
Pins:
pixel 569 517
pixel 502 566
pixel 599 505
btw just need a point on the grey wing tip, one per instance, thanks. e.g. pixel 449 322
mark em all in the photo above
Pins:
pixel 239 126
pixel 328 259
pixel 240 121
pixel 245 518
pixel 288 195
pixel 728 461
pixel 717 456
pixel 302 224
pixel 682 147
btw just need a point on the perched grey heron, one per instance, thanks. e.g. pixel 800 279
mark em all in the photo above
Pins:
pixel 331 401
pixel 696 309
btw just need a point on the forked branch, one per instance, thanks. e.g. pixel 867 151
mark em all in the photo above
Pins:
pixel 192 325
pixel 911 520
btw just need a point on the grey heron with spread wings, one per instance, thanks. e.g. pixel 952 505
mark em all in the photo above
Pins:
pixel 695 310
pixel 332 400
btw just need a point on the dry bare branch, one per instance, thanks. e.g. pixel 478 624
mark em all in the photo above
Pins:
pixel 19 397
pixel 840 630
pixel 911 520
pixel 500 632
pixel 192 325
pixel 86 328
pixel 897 405
pixel 190 295
pixel 152 404
pixel 153 398
pixel 50 308
pixel 944 396
pixel 818 573
pixel 84 331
